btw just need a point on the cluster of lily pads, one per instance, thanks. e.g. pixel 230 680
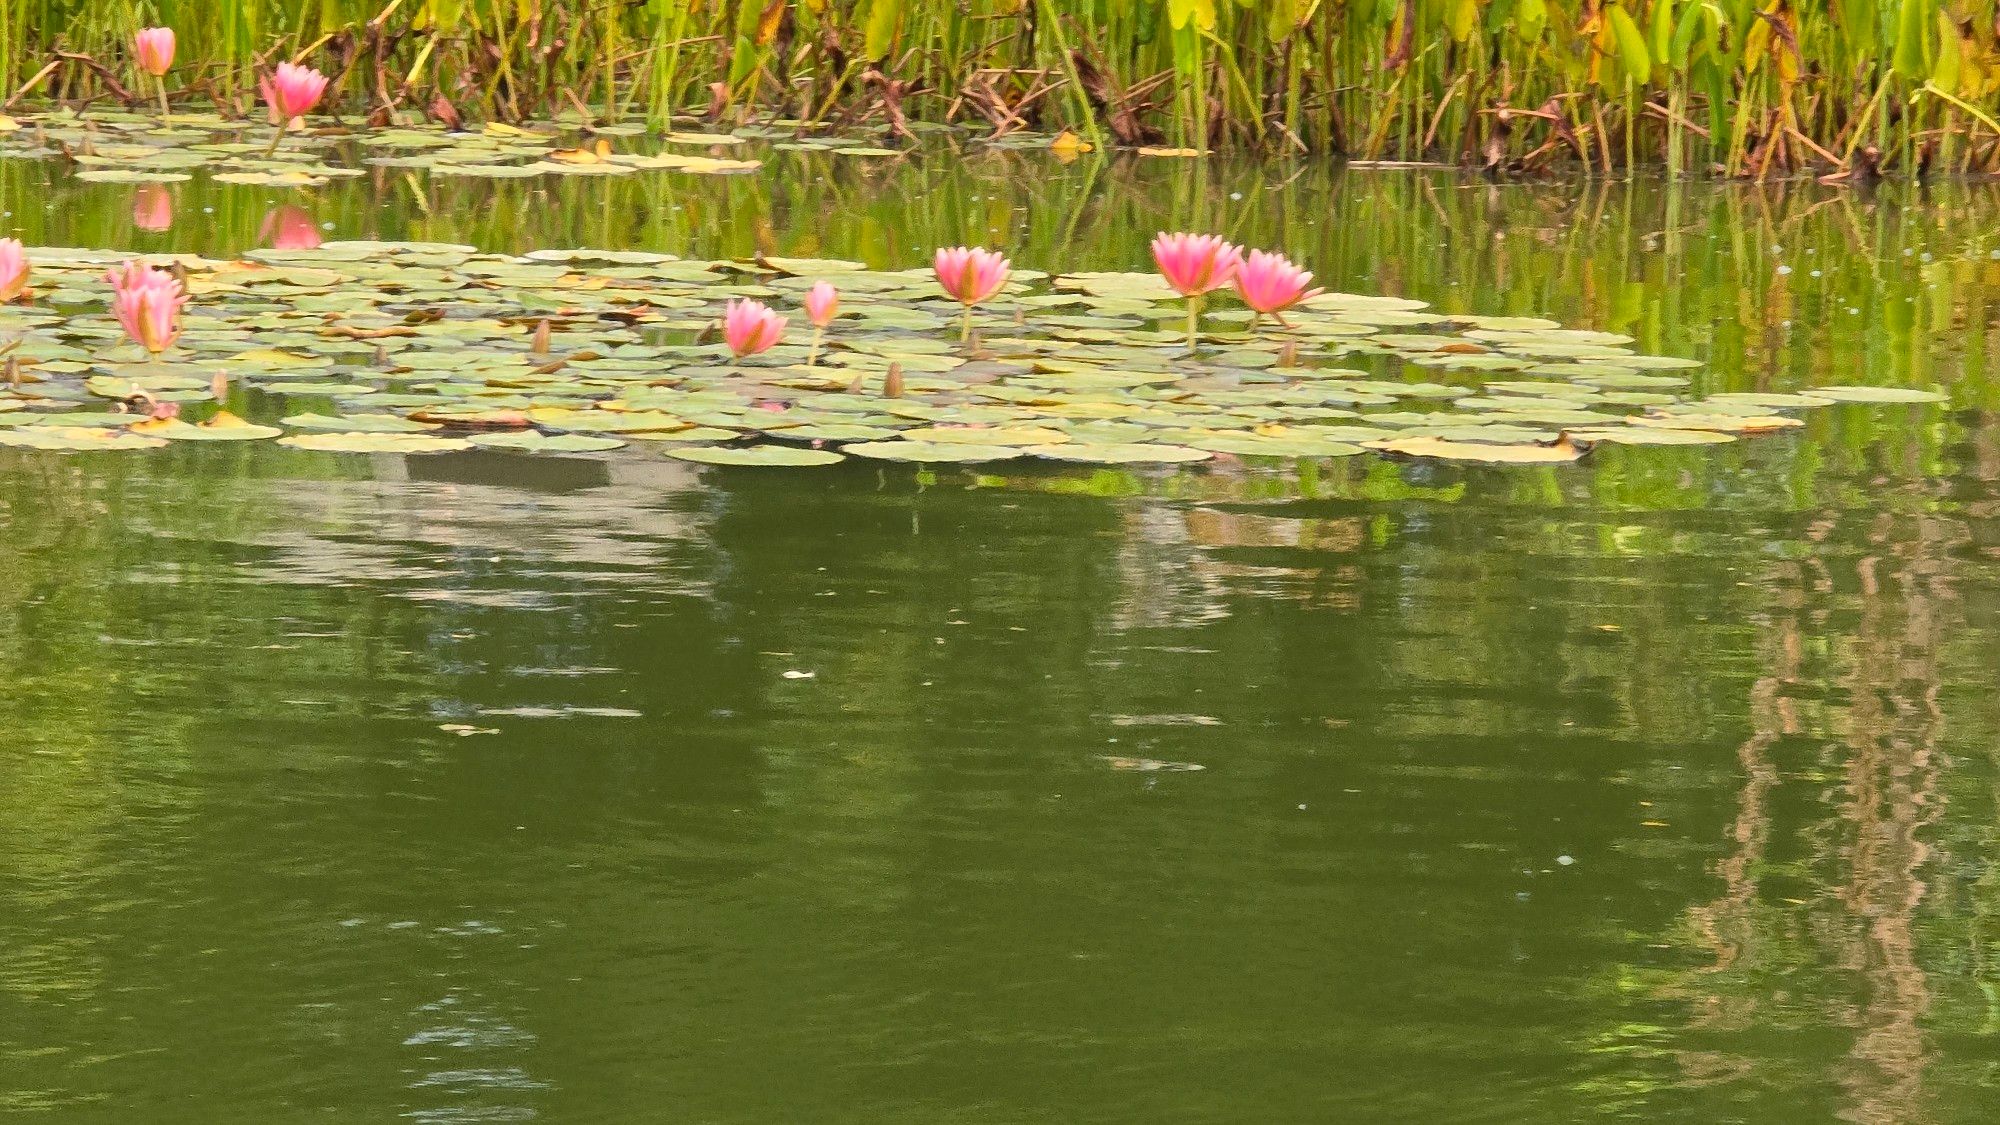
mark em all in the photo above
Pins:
pixel 377 347
pixel 123 147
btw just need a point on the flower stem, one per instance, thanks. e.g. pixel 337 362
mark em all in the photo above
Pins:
pixel 965 326
pixel 162 80
pixel 812 354
pixel 1194 321
pixel 283 124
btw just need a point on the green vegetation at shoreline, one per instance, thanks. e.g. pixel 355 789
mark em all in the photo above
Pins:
pixel 1737 87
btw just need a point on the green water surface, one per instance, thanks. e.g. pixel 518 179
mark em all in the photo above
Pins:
pixel 484 788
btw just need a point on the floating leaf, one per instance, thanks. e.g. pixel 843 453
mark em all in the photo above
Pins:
pixel 77 439
pixel 755 455
pixel 925 452
pixel 374 442
pixel 1876 394
pixel 221 426
pixel 1560 452
pixel 1119 454
pixel 357 423
pixel 533 441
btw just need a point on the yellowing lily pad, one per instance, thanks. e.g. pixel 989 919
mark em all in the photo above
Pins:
pixel 1560 452
pixel 77 439
pixel 1876 394
pixel 929 453
pixel 222 426
pixel 756 455
pixel 1119 453
pixel 534 441
pixel 374 443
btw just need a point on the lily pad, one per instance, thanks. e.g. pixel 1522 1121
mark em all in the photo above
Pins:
pixel 1560 452
pixel 1853 394
pixel 374 442
pixel 784 456
pixel 534 441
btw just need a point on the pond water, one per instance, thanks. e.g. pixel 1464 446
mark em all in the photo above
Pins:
pixel 486 788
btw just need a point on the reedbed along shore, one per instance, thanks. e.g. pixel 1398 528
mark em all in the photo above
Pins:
pixel 1753 88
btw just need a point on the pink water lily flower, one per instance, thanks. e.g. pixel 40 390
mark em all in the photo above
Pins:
pixel 970 276
pixel 148 304
pixel 293 90
pixel 154 48
pixel 1270 284
pixel 1196 263
pixel 152 208
pixel 13 270
pixel 290 92
pixel 750 327
pixel 822 303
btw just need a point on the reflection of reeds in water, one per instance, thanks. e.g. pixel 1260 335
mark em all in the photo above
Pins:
pixel 1871 851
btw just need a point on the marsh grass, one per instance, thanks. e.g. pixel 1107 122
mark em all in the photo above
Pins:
pixel 1751 88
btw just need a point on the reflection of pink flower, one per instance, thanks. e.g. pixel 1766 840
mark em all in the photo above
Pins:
pixel 154 47
pixel 970 276
pixel 822 303
pixel 1270 283
pixel 152 208
pixel 148 303
pixel 291 91
pixel 289 228
pixel 751 327
pixel 13 269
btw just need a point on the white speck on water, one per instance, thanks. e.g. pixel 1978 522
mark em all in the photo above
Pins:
pixel 1302 808
pixel 1565 860
pixel 1814 273
pixel 1236 195
pixel 795 674
pixel 1783 270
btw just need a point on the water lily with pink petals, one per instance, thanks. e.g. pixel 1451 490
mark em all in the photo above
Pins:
pixel 13 270
pixel 153 47
pixel 290 92
pixel 822 305
pixel 152 208
pixel 1195 264
pixel 751 326
pixel 1270 284
pixel 970 276
pixel 147 302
